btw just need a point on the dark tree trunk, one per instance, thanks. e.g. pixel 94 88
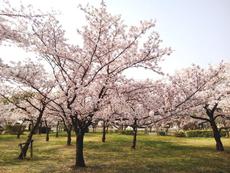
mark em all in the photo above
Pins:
pixel 216 131
pixel 47 134
pixel 31 126
pixel 24 149
pixel 134 138
pixel 18 135
pixel 80 162
pixel 68 137
pixel 227 133
pixel 94 129
pixel 103 131
pixel 57 129
pixel 20 130
pixel 40 128
pixel 150 129
pixel 217 136
pixel 134 134
pixel 47 131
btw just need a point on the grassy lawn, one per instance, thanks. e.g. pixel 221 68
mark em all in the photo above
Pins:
pixel 163 154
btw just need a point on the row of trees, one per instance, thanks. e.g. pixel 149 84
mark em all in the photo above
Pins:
pixel 85 83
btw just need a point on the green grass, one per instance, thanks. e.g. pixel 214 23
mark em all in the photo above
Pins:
pixel 161 154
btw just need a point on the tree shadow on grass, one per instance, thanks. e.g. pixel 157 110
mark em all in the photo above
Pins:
pixel 116 156
pixel 158 156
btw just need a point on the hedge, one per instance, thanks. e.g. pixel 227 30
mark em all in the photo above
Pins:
pixel 202 133
pixel 180 134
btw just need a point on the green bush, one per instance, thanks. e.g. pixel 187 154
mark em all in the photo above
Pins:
pixel 14 129
pixel 180 134
pixel 161 133
pixel 202 133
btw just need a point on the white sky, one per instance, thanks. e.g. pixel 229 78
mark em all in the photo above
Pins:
pixel 198 30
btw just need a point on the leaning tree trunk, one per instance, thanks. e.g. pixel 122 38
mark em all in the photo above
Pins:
pixel 216 131
pixel 24 149
pixel 80 162
pixel 103 131
pixel 217 136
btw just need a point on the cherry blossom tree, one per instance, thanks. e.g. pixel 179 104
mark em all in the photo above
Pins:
pixel 26 86
pixel 86 71
pixel 204 92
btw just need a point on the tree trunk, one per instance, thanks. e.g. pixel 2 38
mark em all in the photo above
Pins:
pixel 57 129
pixel 150 129
pixel 134 133
pixel 47 131
pixel 216 131
pixel 20 131
pixel 227 133
pixel 68 137
pixel 40 128
pixel 80 162
pixel 94 129
pixel 217 136
pixel 18 135
pixel 134 137
pixel 47 134
pixel 24 149
pixel 103 131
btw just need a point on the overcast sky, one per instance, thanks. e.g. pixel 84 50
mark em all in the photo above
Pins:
pixel 197 30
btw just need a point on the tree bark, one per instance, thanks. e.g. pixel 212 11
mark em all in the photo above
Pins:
pixel 94 129
pixel 57 129
pixel 217 136
pixel 227 133
pixel 24 149
pixel 216 131
pixel 47 131
pixel 47 134
pixel 68 137
pixel 134 134
pixel 40 128
pixel 103 131
pixel 18 135
pixel 80 162
pixel 134 137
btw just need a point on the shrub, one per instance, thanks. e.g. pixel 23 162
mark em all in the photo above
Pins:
pixel 161 133
pixel 202 133
pixel 180 134
pixel 14 129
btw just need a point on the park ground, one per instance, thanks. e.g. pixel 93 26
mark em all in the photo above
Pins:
pixel 160 154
